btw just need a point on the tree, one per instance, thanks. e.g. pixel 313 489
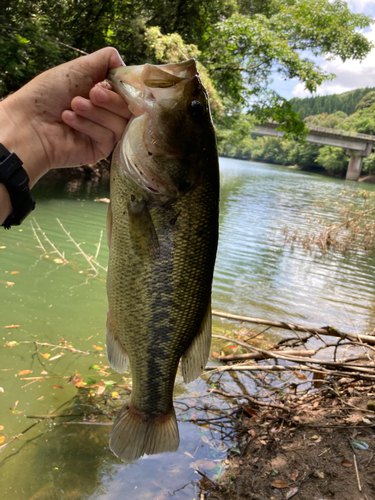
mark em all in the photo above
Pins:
pixel 240 42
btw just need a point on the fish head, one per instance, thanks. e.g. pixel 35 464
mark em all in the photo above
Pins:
pixel 164 145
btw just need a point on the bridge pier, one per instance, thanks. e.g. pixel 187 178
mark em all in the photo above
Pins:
pixel 355 164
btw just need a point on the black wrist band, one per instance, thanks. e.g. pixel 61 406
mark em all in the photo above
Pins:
pixel 16 181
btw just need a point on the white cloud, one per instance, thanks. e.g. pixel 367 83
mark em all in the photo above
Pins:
pixel 349 75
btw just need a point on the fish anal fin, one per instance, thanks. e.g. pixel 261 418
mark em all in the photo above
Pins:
pixel 134 435
pixel 109 225
pixel 195 358
pixel 117 355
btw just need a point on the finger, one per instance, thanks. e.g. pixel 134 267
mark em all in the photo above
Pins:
pixel 103 138
pixel 108 99
pixel 98 63
pixel 101 116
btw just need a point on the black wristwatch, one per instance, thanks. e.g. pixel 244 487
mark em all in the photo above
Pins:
pixel 16 181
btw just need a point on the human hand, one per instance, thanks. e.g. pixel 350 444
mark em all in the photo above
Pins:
pixel 61 118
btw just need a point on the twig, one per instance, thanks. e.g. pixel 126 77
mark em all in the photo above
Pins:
pixel 356 473
pixel 249 398
pixel 77 245
pixel 55 250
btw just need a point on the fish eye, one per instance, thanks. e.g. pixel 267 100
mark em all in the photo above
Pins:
pixel 196 109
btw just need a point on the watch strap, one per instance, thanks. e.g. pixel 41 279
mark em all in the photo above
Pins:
pixel 16 181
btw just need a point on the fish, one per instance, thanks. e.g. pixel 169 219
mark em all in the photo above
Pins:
pixel 162 230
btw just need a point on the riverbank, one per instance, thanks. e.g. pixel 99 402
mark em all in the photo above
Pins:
pixel 320 446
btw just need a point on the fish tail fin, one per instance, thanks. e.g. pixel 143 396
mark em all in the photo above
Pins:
pixel 134 435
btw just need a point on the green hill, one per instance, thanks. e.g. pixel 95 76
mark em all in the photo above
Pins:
pixel 345 102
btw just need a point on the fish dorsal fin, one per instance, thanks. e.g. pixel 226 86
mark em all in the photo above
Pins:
pixel 117 355
pixel 195 358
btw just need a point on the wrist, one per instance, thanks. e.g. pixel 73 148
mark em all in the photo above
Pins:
pixel 18 135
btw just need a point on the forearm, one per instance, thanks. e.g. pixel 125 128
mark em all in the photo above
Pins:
pixel 17 136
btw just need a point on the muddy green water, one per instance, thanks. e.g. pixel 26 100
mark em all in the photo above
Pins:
pixel 52 302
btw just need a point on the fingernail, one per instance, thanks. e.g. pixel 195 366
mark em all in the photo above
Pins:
pixel 101 95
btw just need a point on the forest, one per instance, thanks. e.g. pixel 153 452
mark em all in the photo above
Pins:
pixel 239 44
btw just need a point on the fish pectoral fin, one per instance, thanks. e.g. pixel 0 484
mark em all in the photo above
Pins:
pixel 195 358
pixel 134 435
pixel 109 225
pixel 117 356
pixel 143 237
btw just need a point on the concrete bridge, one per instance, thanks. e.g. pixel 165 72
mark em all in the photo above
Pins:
pixel 357 146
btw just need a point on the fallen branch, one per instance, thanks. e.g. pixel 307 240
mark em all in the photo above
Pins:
pixel 326 330
pixel 249 398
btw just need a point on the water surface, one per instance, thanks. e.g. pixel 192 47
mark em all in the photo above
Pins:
pixel 65 304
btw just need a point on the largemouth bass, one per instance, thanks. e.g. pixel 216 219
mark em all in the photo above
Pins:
pixel 162 233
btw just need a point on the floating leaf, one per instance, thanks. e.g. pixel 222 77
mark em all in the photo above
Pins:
pixel 1 389
pixel 17 412
pixel 98 348
pixel 14 272
pixel 58 261
pixel 100 390
pixel 46 355
pixel 57 357
pixel 360 445
pixel 58 387
pixel 11 326
pixel 1 427
pixel 2 439
pixel 346 463
pixel 279 483
pixel 79 383
pixel 2 247
pixel 95 367
pixel 24 372
pixel 109 382
pixel 12 343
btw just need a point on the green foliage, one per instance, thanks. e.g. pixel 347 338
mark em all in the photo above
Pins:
pixel 366 101
pixel 333 159
pixel 369 164
pixel 240 43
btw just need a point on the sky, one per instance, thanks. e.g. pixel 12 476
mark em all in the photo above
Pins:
pixel 349 75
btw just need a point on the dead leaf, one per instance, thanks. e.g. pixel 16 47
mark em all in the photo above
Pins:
pixel 58 387
pixel 115 395
pixel 346 463
pixel 14 272
pixel 316 377
pixel 46 355
pixel 294 475
pixel 98 348
pixel 79 383
pixel 279 483
pixel 300 376
pixel 12 326
pixel 56 357
pixel 24 372
pixel 101 390
pixel 291 493
pixel 1 427
pixel 2 439
pixel 250 411
pixel 188 454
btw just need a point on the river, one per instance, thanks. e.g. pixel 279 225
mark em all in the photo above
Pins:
pixel 63 303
